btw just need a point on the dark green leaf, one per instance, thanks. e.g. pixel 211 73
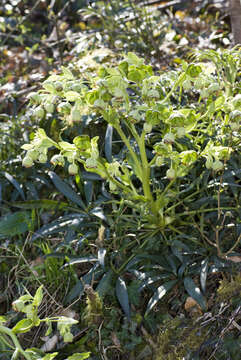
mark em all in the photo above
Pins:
pixel 42 204
pixel 101 256
pixel 159 293
pixel 88 189
pixel 105 283
pixel 60 225
pixel 14 182
pixel 203 274
pixel 15 224
pixel 98 212
pixel 66 189
pixel 122 296
pixel 81 260
pixel 194 291
pixel 108 143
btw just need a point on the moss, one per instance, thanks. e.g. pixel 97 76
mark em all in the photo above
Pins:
pixel 93 313
pixel 229 289
pixel 178 337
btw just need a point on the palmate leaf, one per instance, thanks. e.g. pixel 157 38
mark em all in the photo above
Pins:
pixel 159 293
pixel 122 296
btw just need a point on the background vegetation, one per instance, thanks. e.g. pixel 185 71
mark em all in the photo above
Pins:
pixel 119 181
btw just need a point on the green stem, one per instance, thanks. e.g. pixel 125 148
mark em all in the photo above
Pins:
pixel 7 331
pixel 146 169
pixel 133 154
pixel 193 212
pixel 133 255
pixel 177 83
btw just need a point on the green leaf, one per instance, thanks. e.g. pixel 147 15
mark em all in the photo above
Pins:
pixel 38 297
pixel 79 356
pixel 203 274
pixel 66 190
pixel 159 293
pixel 72 96
pixel 104 285
pixel 89 190
pixel 60 225
pixel 67 73
pixel 15 224
pixel 81 260
pixel 194 291
pixel 23 326
pixel 122 296
pixel 108 143
pixel 14 182
pixel 42 204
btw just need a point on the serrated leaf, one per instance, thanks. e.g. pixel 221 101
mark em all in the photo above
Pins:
pixel 14 182
pixel 159 293
pixel 194 291
pixel 22 326
pixel 66 190
pixel 122 296
pixel 108 143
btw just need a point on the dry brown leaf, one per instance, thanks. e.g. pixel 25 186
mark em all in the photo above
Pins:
pixel 235 259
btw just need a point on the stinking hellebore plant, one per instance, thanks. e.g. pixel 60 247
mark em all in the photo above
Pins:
pixel 159 134
pixel 29 305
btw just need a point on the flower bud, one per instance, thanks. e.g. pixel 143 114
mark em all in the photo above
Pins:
pixel 27 162
pixel 169 138
pixel 73 169
pixel 147 127
pixel 58 86
pixel 39 112
pixel 33 154
pixel 75 114
pixel 217 165
pixel 235 126
pixel 42 158
pixel 57 160
pixel 171 174
pixel 159 161
pixel 49 107
pixel 181 132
